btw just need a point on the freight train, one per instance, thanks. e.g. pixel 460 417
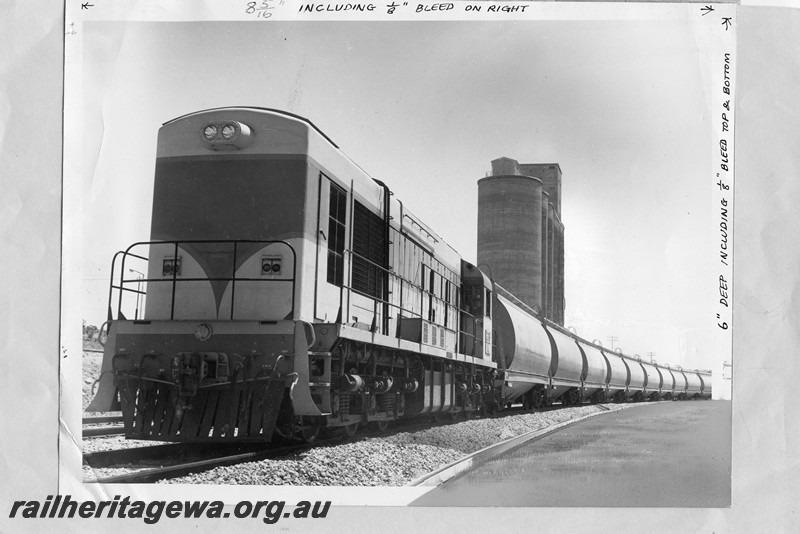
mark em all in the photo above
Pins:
pixel 284 292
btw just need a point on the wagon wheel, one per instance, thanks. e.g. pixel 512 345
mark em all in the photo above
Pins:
pixel 537 400
pixel 382 426
pixel 349 431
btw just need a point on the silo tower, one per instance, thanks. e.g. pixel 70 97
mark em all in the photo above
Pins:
pixel 520 233
pixel 510 230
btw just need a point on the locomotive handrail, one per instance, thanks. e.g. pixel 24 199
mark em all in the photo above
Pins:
pixel 112 286
pixel 174 280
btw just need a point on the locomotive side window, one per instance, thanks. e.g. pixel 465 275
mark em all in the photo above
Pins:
pixel 369 257
pixel 472 300
pixel 488 303
pixel 337 216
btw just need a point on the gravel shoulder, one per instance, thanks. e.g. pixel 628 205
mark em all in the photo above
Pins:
pixel 393 460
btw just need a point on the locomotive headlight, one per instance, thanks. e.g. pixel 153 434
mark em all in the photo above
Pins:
pixel 228 131
pixel 210 132
pixel 227 135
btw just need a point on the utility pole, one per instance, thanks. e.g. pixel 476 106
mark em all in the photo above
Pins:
pixel 613 339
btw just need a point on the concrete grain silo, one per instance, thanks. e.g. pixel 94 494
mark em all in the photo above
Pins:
pixel 510 230
pixel 520 233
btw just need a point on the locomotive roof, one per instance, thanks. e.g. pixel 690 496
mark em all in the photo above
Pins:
pixel 256 108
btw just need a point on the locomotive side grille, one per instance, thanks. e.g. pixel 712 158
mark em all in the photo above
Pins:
pixel 369 258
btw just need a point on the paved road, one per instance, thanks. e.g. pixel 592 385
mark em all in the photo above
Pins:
pixel 668 454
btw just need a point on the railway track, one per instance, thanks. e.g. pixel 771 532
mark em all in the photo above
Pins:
pixel 102 426
pixel 102 431
pixel 101 419
pixel 221 456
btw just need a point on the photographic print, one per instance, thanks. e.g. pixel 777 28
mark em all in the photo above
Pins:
pixel 390 254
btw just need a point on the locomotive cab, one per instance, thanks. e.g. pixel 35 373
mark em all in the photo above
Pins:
pixel 476 312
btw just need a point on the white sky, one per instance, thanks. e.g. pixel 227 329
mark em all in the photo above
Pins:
pixel 425 107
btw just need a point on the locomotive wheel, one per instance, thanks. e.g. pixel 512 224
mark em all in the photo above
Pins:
pixel 308 434
pixel 454 416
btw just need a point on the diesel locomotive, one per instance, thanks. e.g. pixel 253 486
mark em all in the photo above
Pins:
pixel 284 292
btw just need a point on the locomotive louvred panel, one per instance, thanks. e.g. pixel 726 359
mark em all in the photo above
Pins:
pixel 369 257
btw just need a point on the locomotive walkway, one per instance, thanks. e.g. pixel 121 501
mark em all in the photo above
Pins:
pixel 669 454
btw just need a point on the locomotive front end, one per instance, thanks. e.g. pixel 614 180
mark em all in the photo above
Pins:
pixel 206 334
